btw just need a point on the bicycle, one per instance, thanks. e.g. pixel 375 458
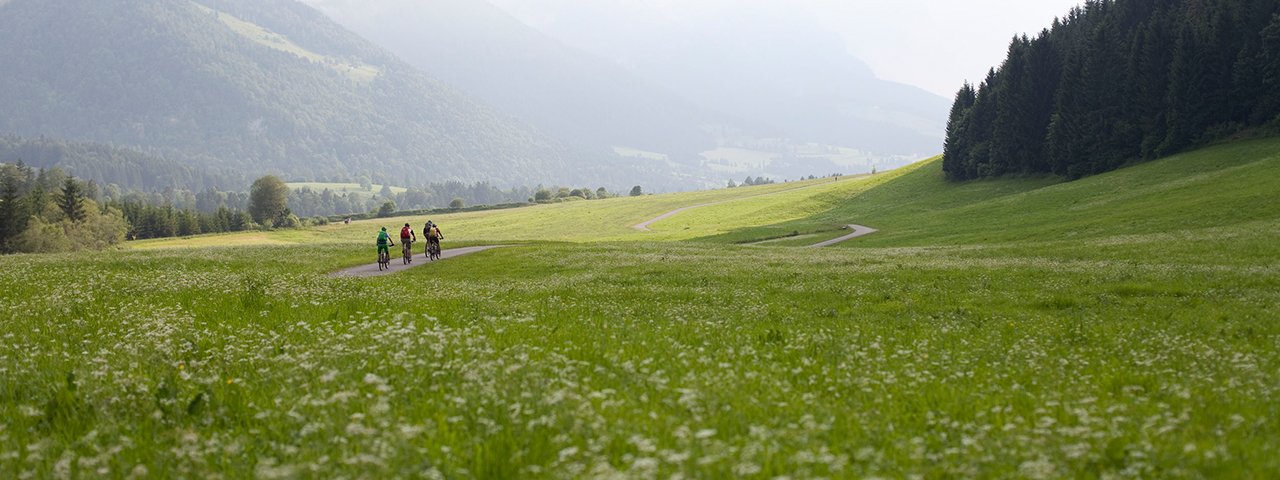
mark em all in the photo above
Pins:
pixel 406 251
pixel 433 250
pixel 384 260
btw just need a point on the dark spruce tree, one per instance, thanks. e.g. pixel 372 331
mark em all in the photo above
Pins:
pixel 11 218
pixel 71 202
pixel 956 149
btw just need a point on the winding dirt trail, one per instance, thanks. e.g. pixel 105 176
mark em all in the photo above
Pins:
pixel 858 231
pixel 419 259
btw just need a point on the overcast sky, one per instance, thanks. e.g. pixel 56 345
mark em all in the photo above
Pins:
pixel 932 44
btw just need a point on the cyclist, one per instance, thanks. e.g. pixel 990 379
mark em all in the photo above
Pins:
pixel 383 240
pixel 407 238
pixel 433 234
pixel 407 235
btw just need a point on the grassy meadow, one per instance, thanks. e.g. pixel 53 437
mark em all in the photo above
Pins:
pixel 1122 325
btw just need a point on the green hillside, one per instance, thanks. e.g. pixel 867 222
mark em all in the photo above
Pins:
pixel 1119 325
pixel 256 86
pixel 1224 186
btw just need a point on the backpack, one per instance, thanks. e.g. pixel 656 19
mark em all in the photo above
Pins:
pixel 404 232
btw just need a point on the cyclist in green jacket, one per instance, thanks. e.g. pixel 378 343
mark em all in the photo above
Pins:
pixel 384 240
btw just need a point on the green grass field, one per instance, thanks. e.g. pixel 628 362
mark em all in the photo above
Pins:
pixel 1122 325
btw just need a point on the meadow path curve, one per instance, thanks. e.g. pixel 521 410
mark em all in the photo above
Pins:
pixel 858 231
pixel 419 259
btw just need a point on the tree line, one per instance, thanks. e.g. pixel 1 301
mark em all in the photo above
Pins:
pixel 163 177
pixel 49 211
pixel 1117 81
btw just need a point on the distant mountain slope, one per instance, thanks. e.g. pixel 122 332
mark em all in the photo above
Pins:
pixel 258 85
pixel 765 61
pixel 486 52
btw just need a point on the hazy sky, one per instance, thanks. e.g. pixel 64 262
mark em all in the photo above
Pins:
pixel 932 44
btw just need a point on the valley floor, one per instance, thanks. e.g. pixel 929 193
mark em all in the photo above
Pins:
pixel 1117 326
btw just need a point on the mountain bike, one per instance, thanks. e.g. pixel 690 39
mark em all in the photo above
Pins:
pixel 384 260
pixel 433 250
pixel 406 251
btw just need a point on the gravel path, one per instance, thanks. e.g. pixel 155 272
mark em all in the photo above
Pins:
pixel 858 231
pixel 419 259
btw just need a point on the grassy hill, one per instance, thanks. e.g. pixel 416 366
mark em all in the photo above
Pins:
pixel 1120 325
pixel 1222 186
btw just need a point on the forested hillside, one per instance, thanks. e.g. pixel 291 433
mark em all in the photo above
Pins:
pixel 1117 81
pixel 128 168
pixel 255 86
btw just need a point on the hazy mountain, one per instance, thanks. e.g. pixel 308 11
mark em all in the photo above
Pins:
pixel 766 61
pixel 486 52
pixel 256 85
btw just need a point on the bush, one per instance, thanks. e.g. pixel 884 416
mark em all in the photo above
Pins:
pixel 289 221
pixel 99 231
pixel 41 237
pixel 387 209
pixel 456 203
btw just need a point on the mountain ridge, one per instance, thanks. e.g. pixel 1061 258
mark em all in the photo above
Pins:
pixel 169 75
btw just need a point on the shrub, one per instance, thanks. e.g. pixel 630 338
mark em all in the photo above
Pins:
pixel 387 209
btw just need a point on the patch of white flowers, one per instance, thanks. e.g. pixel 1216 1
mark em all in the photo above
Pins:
pixel 189 365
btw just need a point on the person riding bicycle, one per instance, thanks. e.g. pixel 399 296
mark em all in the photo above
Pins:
pixel 384 239
pixel 407 235
pixel 433 234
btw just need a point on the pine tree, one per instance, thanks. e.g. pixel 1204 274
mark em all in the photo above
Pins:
pixel 71 202
pixel 11 219
pixel 956 148
pixel 1184 99
pixel 1065 127
pixel 1268 106
pixel 1011 142
pixel 980 128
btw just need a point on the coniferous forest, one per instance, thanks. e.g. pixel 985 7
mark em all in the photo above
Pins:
pixel 1117 81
